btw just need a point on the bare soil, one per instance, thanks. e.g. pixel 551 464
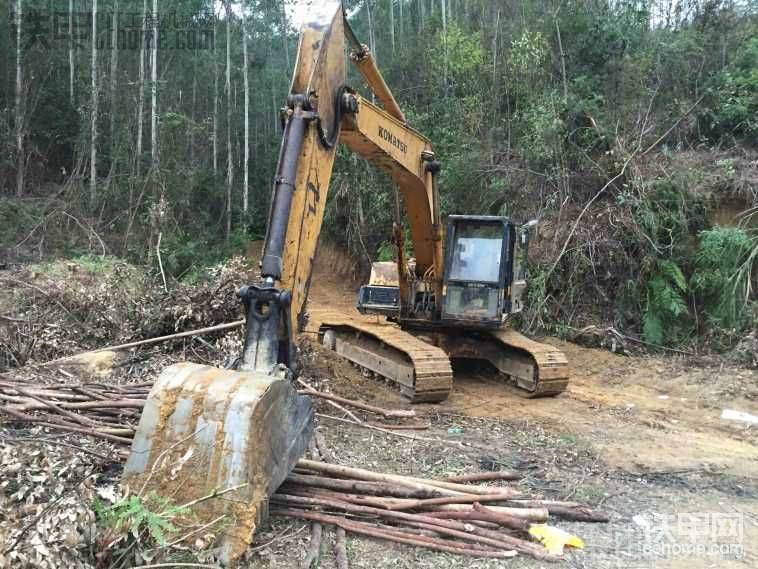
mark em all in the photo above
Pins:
pixel 639 437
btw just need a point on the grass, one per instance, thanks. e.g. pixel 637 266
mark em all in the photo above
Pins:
pixel 93 264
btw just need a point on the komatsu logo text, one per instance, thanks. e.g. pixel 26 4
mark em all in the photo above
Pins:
pixel 393 140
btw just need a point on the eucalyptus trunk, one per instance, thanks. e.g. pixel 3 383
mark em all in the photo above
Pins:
pixel 154 89
pixel 19 118
pixel 228 91
pixel 141 94
pixel 114 78
pixel 93 113
pixel 215 102
pixel 71 60
pixel 246 89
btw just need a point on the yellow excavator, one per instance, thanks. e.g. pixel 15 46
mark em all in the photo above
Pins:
pixel 205 429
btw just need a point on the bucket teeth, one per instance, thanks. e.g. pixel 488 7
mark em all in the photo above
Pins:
pixel 206 430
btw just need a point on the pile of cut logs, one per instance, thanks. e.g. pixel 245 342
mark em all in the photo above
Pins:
pixel 449 515
pixel 108 412
pixel 444 515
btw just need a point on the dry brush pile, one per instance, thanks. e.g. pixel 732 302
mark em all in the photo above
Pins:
pixel 63 308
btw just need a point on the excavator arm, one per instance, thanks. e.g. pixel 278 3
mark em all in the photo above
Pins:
pixel 322 111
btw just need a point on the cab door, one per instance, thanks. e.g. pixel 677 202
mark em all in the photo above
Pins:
pixel 478 269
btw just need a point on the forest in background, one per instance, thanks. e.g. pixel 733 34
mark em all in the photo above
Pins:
pixel 628 128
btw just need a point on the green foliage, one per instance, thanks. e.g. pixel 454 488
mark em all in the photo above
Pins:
pixel 543 130
pixel 717 280
pixel 666 319
pixel 151 515
pixel 185 256
pixel 95 264
pixel 536 294
pixel 17 217
pixel 669 214
pixel 459 55
pixel 734 97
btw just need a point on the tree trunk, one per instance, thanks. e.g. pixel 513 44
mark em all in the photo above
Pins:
pixel 141 95
pixel 215 102
pixel 443 4
pixel 494 51
pixel 19 119
pixel 401 22
pixel 93 113
pixel 154 90
pixel 392 25
pixel 371 44
pixel 114 77
pixel 422 16
pixel 228 90
pixel 246 89
pixel 563 59
pixel 71 61
pixel 284 36
pixel 193 113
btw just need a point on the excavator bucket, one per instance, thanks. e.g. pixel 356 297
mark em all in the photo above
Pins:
pixel 220 442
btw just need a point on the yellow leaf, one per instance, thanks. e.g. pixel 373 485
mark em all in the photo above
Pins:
pixel 554 539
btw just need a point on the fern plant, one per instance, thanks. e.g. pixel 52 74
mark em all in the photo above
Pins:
pixel 722 287
pixel 746 272
pixel 152 515
pixel 666 317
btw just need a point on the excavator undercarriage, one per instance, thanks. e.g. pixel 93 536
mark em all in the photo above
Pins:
pixel 418 362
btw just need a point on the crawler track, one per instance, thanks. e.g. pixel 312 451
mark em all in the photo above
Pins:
pixel 421 371
pixel 550 373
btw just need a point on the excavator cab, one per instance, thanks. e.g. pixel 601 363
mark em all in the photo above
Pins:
pixel 479 255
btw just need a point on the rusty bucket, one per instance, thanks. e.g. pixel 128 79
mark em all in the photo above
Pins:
pixel 220 441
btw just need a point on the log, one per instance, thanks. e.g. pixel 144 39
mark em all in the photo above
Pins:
pixel 580 514
pixel 88 432
pixel 541 503
pixel 445 488
pixel 71 415
pixel 432 503
pixel 373 501
pixel 361 474
pixel 314 547
pixel 386 413
pixel 404 427
pixel 466 488
pixel 448 527
pixel 461 516
pixel 84 405
pixel 361 487
pixel 537 515
pixel 498 519
pixel 158 339
pixel 440 526
pixel 484 476
pixel 397 536
pixel 340 548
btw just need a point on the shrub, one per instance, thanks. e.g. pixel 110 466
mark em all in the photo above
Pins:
pixel 666 318
pixel 717 281
pixel 734 97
